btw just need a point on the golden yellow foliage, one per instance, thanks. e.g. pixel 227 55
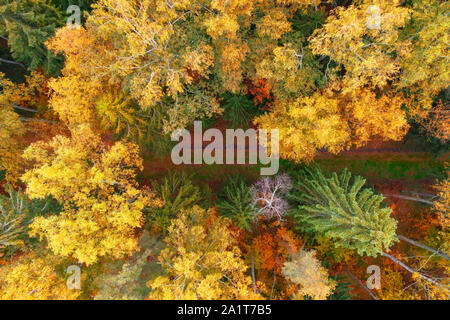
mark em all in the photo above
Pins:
pixel 426 64
pixel 11 131
pixel 102 205
pixel 392 286
pixel 274 24
pixel 371 116
pixel 287 71
pixel 202 261
pixel 305 270
pixel 163 53
pixel 33 278
pixel 334 122
pixel 306 125
pixel 231 58
pixel 74 94
pixel 365 48
pixel 15 96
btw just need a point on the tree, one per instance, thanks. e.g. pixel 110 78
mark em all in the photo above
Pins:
pixel 436 121
pixel 291 69
pixel 370 116
pixel 271 246
pixel 179 56
pixel 34 277
pixel 267 196
pixel 102 205
pixel 74 95
pixel 178 192
pixel 274 244
pixel 201 261
pixel 125 284
pixel 306 125
pixel 352 216
pixel 425 65
pixel 238 109
pixel 127 280
pixel 12 130
pixel 335 121
pixel 340 207
pixel 366 43
pixel 392 286
pixel 11 220
pixel 234 202
pixel 306 271
pixel 27 24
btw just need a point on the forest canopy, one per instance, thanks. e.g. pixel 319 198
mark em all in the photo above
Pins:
pixel 93 92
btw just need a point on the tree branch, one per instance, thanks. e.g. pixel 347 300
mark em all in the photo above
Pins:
pixel 13 62
pixel 423 246
pixel 410 198
pixel 374 297
pixel 404 266
pixel 24 108
pixel 253 275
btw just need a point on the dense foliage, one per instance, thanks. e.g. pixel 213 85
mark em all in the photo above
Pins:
pixel 88 116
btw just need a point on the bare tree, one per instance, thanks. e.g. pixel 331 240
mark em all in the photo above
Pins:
pixel 268 196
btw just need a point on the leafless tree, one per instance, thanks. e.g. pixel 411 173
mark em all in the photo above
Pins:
pixel 268 196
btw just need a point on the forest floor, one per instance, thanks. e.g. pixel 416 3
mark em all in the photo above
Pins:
pixel 394 163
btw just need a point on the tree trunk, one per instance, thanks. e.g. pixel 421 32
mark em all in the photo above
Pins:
pixel 273 284
pixel 12 62
pixel 253 276
pixel 24 109
pixel 404 266
pixel 410 198
pixel 420 245
pixel 362 285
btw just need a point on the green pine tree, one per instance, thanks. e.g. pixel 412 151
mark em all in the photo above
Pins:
pixel 27 25
pixel 340 207
pixel 234 202
pixel 178 192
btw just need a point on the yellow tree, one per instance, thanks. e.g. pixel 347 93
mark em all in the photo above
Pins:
pixel 425 66
pixel 34 277
pixel 364 39
pixel 290 69
pixel 179 55
pixel 84 94
pixel 11 131
pixel 306 125
pixel 306 271
pixel 370 116
pixel 102 205
pixel 23 97
pixel 334 121
pixel 74 94
pixel 201 260
pixel 393 286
